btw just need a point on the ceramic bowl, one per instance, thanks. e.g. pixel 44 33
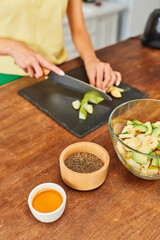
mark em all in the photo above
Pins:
pixel 84 181
pixel 142 110
pixel 51 216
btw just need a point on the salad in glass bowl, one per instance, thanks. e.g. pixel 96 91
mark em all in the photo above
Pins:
pixel 135 132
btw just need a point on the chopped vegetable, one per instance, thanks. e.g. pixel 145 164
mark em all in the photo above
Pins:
pixel 76 104
pixel 115 91
pixel 145 138
pixel 84 106
pixel 89 108
pixel 82 113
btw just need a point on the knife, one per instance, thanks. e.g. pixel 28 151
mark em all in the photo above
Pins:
pixel 76 85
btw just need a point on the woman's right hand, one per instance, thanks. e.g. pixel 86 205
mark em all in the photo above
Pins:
pixel 30 61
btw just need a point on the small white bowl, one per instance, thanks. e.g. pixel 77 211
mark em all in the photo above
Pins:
pixel 51 216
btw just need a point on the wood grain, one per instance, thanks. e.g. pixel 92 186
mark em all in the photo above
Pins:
pixel 124 207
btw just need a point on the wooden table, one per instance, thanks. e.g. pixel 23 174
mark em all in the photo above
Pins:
pixel 124 207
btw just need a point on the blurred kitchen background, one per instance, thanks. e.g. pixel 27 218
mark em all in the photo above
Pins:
pixel 112 21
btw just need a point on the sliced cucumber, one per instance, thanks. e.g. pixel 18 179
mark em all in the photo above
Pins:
pixel 89 108
pixel 76 104
pixel 156 133
pixel 84 101
pixel 82 113
pixel 144 168
pixel 94 97
pixel 149 131
pixel 141 128
pixel 125 133
pixel 136 122
pixel 156 124
pixel 139 158
pixel 155 162
pixel 129 123
pixel 128 154
pixel 133 164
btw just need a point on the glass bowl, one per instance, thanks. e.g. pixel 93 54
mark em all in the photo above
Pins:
pixel 143 110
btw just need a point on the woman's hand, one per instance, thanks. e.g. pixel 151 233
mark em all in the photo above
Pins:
pixel 30 61
pixel 101 75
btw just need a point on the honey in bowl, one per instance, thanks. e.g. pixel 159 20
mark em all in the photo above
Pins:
pixel 47 200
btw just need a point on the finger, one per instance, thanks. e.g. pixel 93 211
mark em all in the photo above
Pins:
pixel 113 79
pixel 50 66
pixel 100 74
pixel 30 71
pixel 107 76
pixel 119 78
pixel 37 68
pixel 92 77
pixel 25 70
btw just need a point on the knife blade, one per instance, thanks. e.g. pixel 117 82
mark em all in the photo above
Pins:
pixel 76 85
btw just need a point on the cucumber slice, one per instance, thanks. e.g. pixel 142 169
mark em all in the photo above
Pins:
pixel 129 123
pixel 76 104
pixel 155 162
pixel 149 131
pixel 82 113
pixel 93 97
pixel 136 122
pixel 156 124
pixel 156 133
pixel 125 133
pixel 84 101
pixel 128 154
pixel 153 125
pixel 141 128
pixel 150 158
pixel 89 108
pixel 144 168
pixel 139 158
pixel 133 164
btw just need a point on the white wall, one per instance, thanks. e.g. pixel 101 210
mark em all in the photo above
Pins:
pixel 133 19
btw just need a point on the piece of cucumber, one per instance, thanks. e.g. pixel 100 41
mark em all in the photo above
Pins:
pixel 82 113
pixel 141 128
pixel 155 162
pixel 156 133
pixel 139 158
pixel 128 154
pixel 149 131
pixel 76 104
pixel 93 97
pixel 129 123
pixel 84 101
pixel 89 108
pixel 136 122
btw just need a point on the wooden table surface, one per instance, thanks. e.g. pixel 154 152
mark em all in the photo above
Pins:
pixel 124 207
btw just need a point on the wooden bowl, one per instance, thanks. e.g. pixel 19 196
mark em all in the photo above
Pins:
pixel 84 181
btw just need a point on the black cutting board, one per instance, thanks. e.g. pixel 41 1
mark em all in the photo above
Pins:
pixel 56 102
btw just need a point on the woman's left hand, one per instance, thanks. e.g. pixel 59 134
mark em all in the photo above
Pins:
pixel 101 75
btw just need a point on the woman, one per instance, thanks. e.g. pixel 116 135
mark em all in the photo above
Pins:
pixel 32 37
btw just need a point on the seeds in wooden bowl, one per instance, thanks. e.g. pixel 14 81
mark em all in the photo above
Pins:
pixel 83 162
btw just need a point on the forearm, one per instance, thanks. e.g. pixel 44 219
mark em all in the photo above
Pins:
pixel 84 46
pixel 6 46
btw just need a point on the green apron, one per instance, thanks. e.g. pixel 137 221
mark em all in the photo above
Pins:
pixel 6 78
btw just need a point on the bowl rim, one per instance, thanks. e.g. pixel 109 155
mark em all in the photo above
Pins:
pixel 53 187
pixel 117 138
pixel 106 163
